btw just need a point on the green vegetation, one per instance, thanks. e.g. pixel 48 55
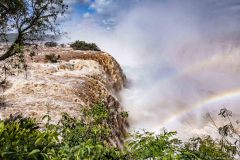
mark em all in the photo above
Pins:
pixel 32 54
pixel 32 20
pixel 82 45
pixel 51 44
pixel 83 138
pixel 53 58
pixel 87 137
pixel 2 100
pixel 62 45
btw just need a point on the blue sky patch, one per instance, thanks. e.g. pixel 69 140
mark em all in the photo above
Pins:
pixel 82 8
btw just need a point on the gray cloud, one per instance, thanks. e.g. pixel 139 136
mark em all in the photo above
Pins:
pixel 212 10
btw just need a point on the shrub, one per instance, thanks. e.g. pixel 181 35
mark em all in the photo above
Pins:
pixel 81 45
pixel 87 138
pixel 32 54
pixel 81 138
pixel 20 138
pixel 53 58
pixel 2 101
pixel 63 45
pixel 51 44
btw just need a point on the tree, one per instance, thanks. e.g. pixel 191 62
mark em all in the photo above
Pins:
pixel 31 19
pixel 82 45
pixel 51 44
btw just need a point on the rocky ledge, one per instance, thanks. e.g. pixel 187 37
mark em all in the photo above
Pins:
pixel 79 79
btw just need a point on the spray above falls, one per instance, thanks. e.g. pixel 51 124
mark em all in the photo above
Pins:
pixel 181 58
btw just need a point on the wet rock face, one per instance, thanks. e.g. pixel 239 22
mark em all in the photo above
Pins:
pixel 79 79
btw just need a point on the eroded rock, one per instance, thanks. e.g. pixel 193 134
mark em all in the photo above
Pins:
pixel 79 79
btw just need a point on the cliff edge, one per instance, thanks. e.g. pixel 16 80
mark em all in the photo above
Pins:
pixel 79 79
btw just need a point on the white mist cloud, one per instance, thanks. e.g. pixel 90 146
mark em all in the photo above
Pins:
pixel 101 5
pixel 175 53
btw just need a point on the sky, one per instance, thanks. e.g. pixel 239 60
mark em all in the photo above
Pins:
pixel 108 13
pixel 180 57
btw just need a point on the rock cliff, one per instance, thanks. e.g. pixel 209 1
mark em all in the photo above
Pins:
pixel 79 79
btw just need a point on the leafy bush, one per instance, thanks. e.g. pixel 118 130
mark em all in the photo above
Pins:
pixel 32 54
pixel 53 58
pixel 63 45
pixel 20 138
pixel 207 148
pixel 87 137
pixel 2 101
pixel 72 138
pixel 82 45
pixel 51 44
pixel 147 145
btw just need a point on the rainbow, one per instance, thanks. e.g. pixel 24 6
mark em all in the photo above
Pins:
pixel 198 67
pixel 231 94
pixel 210 61
pixel 206 63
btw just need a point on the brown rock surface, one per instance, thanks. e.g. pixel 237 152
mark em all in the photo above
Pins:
pixel 79 79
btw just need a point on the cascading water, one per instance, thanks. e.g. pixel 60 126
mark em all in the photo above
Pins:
pixel 181 57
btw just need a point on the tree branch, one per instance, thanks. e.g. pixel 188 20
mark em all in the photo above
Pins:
pixel 30 18
pixel 3 6
pixel 38 15
pixel 11 51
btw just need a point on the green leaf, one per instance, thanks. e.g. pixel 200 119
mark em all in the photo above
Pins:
pixel 1 127
pixel 35 151
pixel 39 141
pixel 45 156
pixel 7 153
